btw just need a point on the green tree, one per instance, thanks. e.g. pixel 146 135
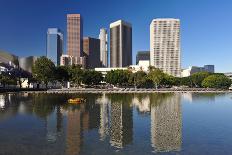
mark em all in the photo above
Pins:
pixel 157 76
pixel 6 79
pixel 197 78
pixel 217 81
pixel 170 80
pixel 62 74
pixel 76 75
pixel 138 79
pixel 118 77
pixel 44 70
pixel 91 77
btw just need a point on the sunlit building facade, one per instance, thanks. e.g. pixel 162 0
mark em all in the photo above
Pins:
pixel 75 37
pixel 165 51
pixel 54 45
pixel 103 47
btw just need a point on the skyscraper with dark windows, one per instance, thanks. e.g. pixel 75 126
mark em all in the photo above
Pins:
pixel 120 44
pixel 91 49
pixel 54 45
pixel 75 37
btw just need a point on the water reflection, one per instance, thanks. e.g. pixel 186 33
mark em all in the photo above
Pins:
pixel 111 116
pixel 121 121
pixel 166 122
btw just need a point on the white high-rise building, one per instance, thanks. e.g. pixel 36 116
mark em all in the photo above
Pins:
pixel 103 47
pixel 165 45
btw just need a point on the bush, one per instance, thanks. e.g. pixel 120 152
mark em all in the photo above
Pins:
pixel 216 81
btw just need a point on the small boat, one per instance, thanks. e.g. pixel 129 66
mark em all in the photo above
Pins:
pixel 76 101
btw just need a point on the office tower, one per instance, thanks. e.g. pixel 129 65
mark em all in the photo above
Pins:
pixel 166 122
pixel 74 37
pixel 91 49
pixel 54 45
pixel 165 45
pixel 120 44
pixel 142 55
pixel 103 47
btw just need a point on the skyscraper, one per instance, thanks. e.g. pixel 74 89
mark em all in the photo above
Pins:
pixel 54 45
pixel 165 45
pixel 103 47
pixel 75 35
pixel 120 44
pixel 91 48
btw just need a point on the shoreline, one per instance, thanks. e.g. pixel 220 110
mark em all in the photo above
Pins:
pixel 111 91
pixel 132 90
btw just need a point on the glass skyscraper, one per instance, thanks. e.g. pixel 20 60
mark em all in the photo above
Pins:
pixel 54 45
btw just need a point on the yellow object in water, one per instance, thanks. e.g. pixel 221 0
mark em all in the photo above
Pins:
pixel 76 100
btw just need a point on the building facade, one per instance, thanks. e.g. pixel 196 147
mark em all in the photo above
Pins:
pixel 120 44
pixel 54 45
pixel 194 69
pixel 91 49
pixel 142 55
pixel 26 63
pixel 165 51
pixel 75 36
pixel 103 47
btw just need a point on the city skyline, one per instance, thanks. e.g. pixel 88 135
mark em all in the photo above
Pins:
pixel 204 41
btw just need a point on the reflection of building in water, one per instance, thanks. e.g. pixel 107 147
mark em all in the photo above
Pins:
pixel 54 125
pixel 2 102
pixel 121 124
pixel 73 137
pixel 143 105
pixel 104 117
pixel 207 97
pixel 166 124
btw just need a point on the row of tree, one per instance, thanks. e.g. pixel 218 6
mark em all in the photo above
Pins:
pixel 44 71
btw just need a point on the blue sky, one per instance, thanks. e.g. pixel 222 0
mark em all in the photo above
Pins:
pixel 206 25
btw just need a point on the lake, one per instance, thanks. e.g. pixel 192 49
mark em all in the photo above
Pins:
pixel 158 123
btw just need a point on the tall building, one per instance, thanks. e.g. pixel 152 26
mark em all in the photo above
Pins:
pixel 74 36
pixel 54 45
pixel 103 47
pixel 120 44
pixel 142 55
pixel 165 45
pixel 91 49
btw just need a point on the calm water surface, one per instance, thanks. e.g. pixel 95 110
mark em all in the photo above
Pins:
pixel 159 123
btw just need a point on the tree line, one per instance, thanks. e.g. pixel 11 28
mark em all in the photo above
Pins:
pixel 44 71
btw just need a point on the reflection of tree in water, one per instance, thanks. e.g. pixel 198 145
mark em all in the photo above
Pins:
pixel 121 120
pixel 166 122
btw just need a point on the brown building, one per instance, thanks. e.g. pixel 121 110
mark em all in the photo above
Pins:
pixel 74 36
pixel 91 49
